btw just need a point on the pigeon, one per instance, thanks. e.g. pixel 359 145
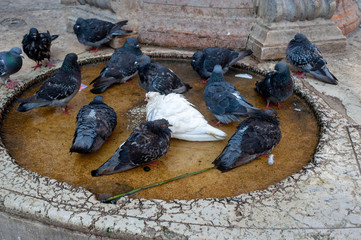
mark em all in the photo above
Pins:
pixel 255 136
pixel 277 86
pixel 10 63
pixel 223 99
pixel 94 32
pixel 148 142
pixel 95 124
pixel 37 46
pixel 185 121
pixel 57 90
pixel 305 56
pixel 120 68
pixel 204 61
pixel 154 77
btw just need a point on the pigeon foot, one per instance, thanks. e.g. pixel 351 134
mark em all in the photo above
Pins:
pixel 50 65
pixel 93 50
pixel 37 66
pixel 65 110
pixel 204 81
pixel 280 106
pixel 300 74
pixel 10 84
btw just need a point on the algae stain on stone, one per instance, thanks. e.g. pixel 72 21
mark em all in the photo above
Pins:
pixel 40 140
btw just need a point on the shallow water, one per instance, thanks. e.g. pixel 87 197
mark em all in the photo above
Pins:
pixel 40 140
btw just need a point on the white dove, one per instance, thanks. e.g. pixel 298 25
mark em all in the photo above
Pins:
pixel 185 121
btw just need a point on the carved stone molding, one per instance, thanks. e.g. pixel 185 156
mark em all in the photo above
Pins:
pixel 294 10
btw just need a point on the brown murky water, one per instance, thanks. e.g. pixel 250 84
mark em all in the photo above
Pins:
pixel 40 140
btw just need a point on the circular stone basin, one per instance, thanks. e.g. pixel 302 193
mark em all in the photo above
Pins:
pixel 40 140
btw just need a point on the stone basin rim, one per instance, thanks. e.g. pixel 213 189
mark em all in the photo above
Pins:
pixel 62 196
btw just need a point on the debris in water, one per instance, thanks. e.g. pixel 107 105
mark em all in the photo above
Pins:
pixel 270 159
pixel 82 87
pixel 244 75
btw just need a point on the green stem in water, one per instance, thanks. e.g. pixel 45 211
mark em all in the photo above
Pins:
pixel 157 184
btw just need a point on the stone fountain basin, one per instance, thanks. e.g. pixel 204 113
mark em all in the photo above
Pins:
pixel 319 199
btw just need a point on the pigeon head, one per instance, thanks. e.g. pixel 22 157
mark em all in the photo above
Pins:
pixel 196 61
pixel 16 51
pixel 97 99
pixel 269 115
pixel 159 126
pixel 142 61
pixel 131 43
pixel 197 55
pixel 299 37
pixel 77 25
pixel 281 67
pixel 70 63
pixel 217 74
pixel 33 33
pixel 149 96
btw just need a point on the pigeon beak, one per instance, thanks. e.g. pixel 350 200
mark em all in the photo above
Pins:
pixel 137 46
pixel 146 99
pixel 21 55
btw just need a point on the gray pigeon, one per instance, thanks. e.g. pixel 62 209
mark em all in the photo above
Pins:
pixel 154 77
pixel 37 46
pixel 255 136
pixel 148 142
pixel 57 90
pixel 305 56
pixel 95 124
pixel 120 68
pixel 277 86
pixel 204 61
pixel 10 63
pixel 223 99
pixel 94 32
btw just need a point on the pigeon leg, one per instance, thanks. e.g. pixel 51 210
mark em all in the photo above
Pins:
pixel 267 106
pixel 217 124
pixel 93 49
pixel 280 106
pixel 37 65
pixel 50 65
pixel 300 74
pixel 65 109
pixel 204 81
pixel 152 163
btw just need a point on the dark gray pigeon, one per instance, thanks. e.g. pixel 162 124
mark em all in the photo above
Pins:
pixel 94 32
pixel 148 142
pixel 37 46
pixel 305 56
pixel 154 77
pixel 223 99
pixel 120 68
pixel 10 63
pixel 255 136
pixel 277 86
pixel 95 124
pixel 204 61
pixel 57 90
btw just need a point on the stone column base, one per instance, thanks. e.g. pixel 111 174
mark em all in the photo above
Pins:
pixel 269 40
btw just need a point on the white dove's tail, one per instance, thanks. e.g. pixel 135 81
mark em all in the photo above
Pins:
pixel 202 134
